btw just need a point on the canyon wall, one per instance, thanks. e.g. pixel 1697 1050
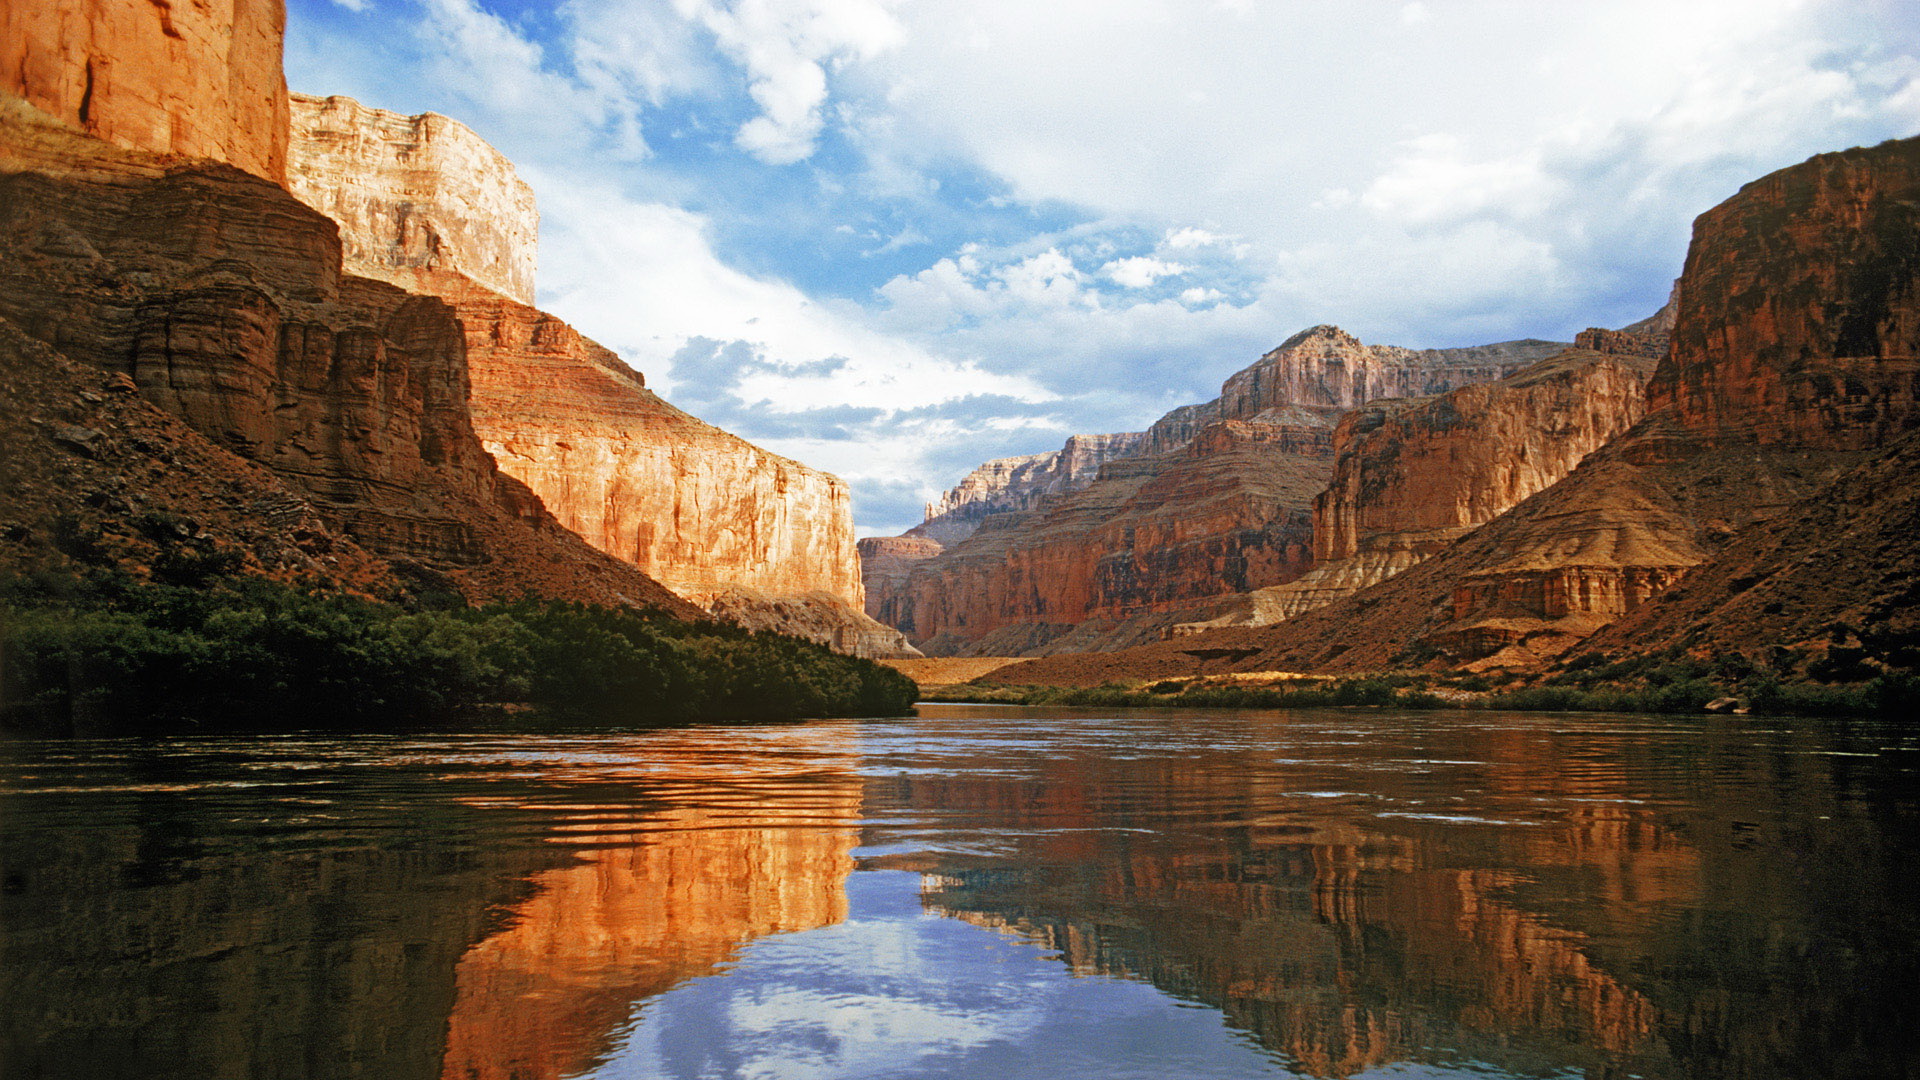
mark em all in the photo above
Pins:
pixel 220 299
pixel 1410 476
pixel 1022 483
pixel 199 80
pixel 1795 358
pixel 1213 501
pixel 414 193
pixel 423 202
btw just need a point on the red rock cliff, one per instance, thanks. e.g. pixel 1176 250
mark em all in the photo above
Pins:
pixel 424 202
pixel 198 80
pixel 1795 357
pixel 414 193
pixel 1211 502
pixel 1410 476
pixel 221 298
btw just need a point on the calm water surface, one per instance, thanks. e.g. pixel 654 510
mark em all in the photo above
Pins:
pixel 982 892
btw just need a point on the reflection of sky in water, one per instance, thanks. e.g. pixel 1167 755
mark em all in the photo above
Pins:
pixel 897 991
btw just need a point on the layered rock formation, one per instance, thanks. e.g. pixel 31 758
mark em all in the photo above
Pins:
pixel 424 202
pixel 414 193
pixel 199 80
pixel 1022 483
pixel 221 299
pixel 1795 352
pixel 1212 501
pixel 1410 476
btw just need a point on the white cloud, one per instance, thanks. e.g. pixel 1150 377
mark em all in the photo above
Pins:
pixel 1140 271
pixel 354 5
pixel 786 47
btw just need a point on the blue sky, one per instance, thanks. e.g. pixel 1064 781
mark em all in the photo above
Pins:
pixel 894 239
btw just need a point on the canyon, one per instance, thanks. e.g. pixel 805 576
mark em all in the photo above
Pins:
pixel 1783 408
pixel 1115 539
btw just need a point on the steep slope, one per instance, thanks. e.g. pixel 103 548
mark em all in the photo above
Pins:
pixel 414 193
pixel 1795 353
pixel 423 202
pixel 1412 475
pixel 219 298
pixel 1212 501
pixel 1011 484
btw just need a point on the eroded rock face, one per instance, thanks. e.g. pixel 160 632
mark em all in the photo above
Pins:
pixel 1410 476
pixel 1022 483
pixel 199 80
pixel 220 298
pixel 425 203
pixel 1325 365
pixel 1212 501
pixel 414 193
pixel 1795 355
pixel 1224 514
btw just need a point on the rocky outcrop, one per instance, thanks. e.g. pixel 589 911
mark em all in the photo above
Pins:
pixel 885 563
pixel 1795 354
pixel 1226 513
pixel 220 298
pixel 414 193
pixel 199 80
pixel 1022 483
pixel 424 202
pixel 1410 476
pixel 1209 503
pixel 1327 366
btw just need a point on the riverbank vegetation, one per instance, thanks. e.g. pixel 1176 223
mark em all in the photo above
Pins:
pixel 1665 685
pixel 106 653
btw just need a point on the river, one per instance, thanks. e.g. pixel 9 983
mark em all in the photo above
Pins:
pixel 982 892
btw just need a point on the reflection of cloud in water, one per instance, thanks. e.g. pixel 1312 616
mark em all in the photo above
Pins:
pixel 898 991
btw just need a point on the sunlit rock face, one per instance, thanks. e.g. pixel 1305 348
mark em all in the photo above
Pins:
pixel 423 202
pixel 1116 538
pixel 1022 483
pixel 222 299
pixel 547 997
pixel 1795 358
pixel 1410 476
pixel 414 193
pixel 199 80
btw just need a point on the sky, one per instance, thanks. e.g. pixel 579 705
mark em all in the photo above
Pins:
pixel 896 238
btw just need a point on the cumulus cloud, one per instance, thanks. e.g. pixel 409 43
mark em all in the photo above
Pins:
pixel 786 47
pixel 1140 271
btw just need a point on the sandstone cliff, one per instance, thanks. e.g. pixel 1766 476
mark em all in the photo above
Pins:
pixel 1410 476
pixel 414 193
pixel 1795 353
pixel 199 80
pixel 1022 483
pixel 423 202
pixel 1211 502
pixel 220 298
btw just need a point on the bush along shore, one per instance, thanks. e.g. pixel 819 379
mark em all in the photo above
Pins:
pixel 1588 685
pixel 106 654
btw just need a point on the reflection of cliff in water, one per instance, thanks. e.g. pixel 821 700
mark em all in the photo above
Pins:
pixel 544 997
pixel 171 916
pixel 1577 925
